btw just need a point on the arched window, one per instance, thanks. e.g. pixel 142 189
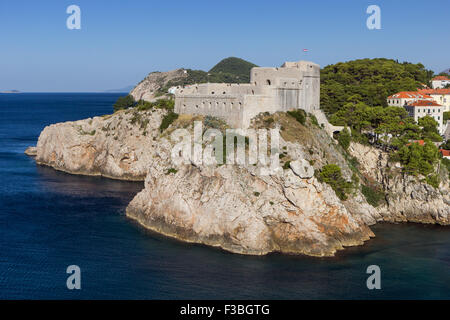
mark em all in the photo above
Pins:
pixel 268 82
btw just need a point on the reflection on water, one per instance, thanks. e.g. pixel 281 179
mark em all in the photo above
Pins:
pixel 55 181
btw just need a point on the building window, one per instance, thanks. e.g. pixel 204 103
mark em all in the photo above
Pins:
pixel 268 82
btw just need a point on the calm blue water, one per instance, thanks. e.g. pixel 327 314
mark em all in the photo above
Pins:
pixel 50 220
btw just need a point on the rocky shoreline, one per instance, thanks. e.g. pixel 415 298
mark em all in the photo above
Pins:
pixel 235 207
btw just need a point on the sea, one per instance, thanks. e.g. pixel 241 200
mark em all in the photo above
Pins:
pixel 50 220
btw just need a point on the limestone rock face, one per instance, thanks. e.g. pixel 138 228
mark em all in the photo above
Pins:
pixel 119 146
pixel 31 151
pixel 231 208
pixel 302 168
pixel 148 87
pixel 407 197
pixel 410 200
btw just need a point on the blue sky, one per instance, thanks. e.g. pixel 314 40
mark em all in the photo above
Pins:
pixel 121 41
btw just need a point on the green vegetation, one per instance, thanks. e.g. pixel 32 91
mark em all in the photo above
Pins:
pixel 417 159
pixel 236 67
pixel 429 129
pixel 256 193
pixel 433 180
pixel 82 132
pixel 286 165
pixel 299 115
pixel 332 175
pixel 383 121
pixel 354 94
pixel 446 116
pixel 446 145
pixel 372 79
pixel 171 170
pixel 167 104
pixel 123 103
pixel 167 120
pixel 313 119
pixel 372 195
pixel 446 163
pixel 344 138
pixel 215 123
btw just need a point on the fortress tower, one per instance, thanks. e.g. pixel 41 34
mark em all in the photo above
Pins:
pixel 294 85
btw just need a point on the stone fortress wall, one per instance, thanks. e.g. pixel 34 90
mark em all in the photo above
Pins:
pixel 294 85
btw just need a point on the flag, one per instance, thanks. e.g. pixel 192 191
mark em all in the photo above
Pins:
pixel 305 50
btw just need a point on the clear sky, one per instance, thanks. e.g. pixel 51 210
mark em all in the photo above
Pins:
pixel 122 41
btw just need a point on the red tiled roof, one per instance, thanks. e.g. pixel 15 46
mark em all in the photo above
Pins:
pixel 423 103
pixel 409 95
pixel 445 153
pixel 434 91
pixel 440 78
pixel 421 142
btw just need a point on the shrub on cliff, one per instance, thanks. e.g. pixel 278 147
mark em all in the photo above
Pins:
pixel 167 120
pixel 167 104
pixel 299 115
pixel 344 138
pixel 123 103
pixel 372 195
pixel 332 175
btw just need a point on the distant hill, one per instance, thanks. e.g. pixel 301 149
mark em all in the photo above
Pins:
pixel 235 67
pixel 446 71
pixel 10 91
pixel 156 84
pixel 125 89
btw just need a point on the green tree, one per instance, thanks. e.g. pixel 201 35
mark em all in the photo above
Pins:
pixel 429 129
pixel 344 138
pixel 123 103
pixel 332 175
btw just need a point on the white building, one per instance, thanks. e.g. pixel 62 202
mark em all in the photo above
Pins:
pixel 421 108
pixel 440 96
pixel 440 82
pixel 401 98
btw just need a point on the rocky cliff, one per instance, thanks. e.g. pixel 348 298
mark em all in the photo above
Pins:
pixel 117 146
pixel 407 198
pixel 148 88
pixel 238 208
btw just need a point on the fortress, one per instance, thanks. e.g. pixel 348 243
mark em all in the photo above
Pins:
pixel 294 85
